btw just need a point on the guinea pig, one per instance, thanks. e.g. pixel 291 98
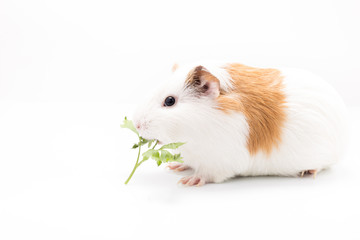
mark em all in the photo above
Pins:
pixel 238 120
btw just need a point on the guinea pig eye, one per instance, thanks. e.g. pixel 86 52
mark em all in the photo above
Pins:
pixel 169 101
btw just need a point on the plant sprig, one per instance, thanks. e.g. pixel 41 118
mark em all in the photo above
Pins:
pixel 160 155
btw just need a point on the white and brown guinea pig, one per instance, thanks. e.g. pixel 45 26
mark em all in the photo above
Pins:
pixel 245 121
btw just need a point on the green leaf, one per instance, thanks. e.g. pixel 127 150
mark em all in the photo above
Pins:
pixel 172 145
pixel 143 141
pixel 135 146
pixel 177 158
pixel 150 142
pixel 166 156
pixel 156 156
pixel 149 153
pixel 159 162
pixel 129 125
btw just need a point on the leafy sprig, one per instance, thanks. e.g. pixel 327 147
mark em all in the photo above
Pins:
pixel 160 155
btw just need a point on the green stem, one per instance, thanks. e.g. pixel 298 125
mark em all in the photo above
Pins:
pixel 136 164
pixel 146 159
pixel 155 144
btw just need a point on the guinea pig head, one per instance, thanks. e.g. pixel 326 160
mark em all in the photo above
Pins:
pixel 180 105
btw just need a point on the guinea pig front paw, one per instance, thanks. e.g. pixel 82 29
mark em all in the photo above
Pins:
pixel 178 167
pixel 192 181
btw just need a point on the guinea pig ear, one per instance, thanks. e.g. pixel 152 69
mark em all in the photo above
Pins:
pixel 203 82
pixel 175 67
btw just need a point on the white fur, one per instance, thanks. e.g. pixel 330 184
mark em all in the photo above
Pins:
pixel 313 136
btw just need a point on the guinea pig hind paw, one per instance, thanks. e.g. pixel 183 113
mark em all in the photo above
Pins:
pixel 192 181
pixel 313 172
pixel 309 172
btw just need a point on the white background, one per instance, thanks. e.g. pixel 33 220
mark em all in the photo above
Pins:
pixel 71 70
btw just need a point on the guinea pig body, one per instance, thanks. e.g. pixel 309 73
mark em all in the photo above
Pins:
pixel 243 121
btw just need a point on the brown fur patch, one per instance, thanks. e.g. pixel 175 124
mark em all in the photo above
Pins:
pixel 258 93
